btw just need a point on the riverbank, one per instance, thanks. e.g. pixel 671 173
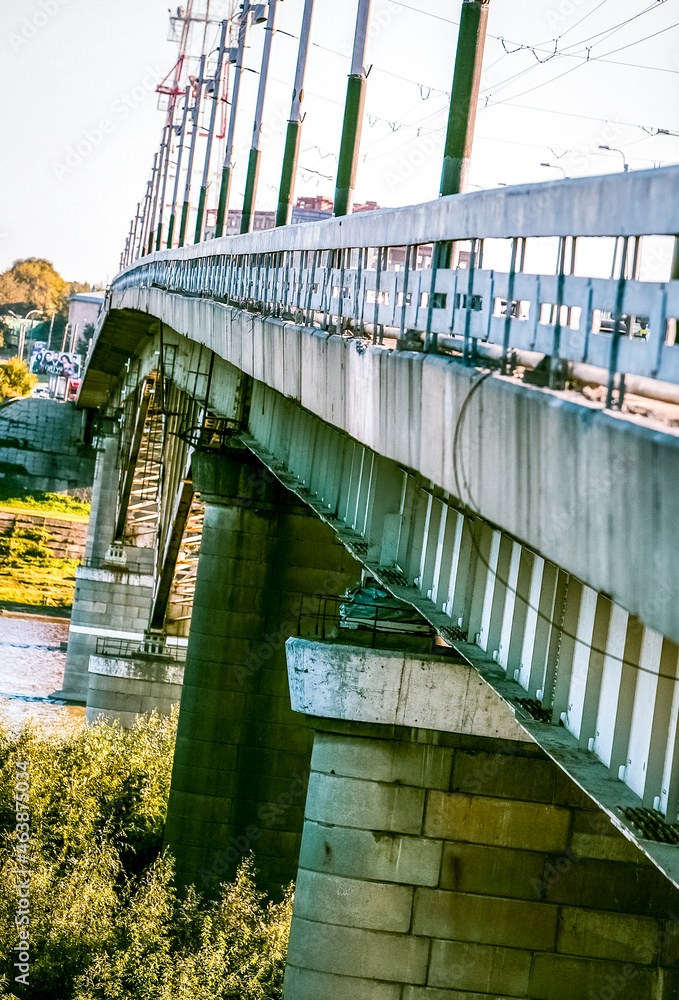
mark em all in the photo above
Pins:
pixel 38 612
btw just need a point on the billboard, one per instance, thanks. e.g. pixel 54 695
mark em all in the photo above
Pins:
pixel 46 362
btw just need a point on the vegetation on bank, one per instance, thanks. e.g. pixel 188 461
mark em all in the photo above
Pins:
pixel 16 379
pixel 33 284
pixel 16 497
pixel 105 920
pixel 30 573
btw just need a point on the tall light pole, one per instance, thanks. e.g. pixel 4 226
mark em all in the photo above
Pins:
pixel 192 151
pixel 464 100
pixel 294 133
pixel 353 115
pixel 210 135
pixel 164 143
pixel 180 150
pixel 137 219
pixel 23 324
pixel 555 166
pixel 250 197
pixel 166 170
pixel 147 209
pixel 227 169
pixel 465 96
pixel 614 149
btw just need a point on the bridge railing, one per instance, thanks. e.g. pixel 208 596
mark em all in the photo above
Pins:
pixel 380 273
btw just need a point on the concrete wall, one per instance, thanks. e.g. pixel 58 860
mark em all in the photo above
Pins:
pixel 67 538
pixel 242 756
pixel 442 867
pixel 42 445
pixel 109 602
pixel 594 492
pixel 124 687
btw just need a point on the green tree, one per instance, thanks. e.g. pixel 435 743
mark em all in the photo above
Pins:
pixel 33 283
pixel 106 920
pixel 16 379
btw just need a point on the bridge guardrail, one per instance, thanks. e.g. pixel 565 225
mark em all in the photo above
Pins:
pixel 350 275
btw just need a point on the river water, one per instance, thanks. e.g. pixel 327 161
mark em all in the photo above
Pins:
pixel 31 667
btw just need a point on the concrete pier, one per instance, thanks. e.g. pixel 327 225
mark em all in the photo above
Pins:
pixel 456 865
pixel 127 684
pixel 242 756
pixel 114 586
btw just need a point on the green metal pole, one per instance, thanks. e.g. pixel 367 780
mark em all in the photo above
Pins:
pixel 250 190
pixel 250 197
pixel 183 223
pixel 465 96
pixel 461 118
pixel 180 150
pixel 289 173
pixel 147 210
pixel 353 116
pixel 166 170
pixel 210 135
pixel 192 151
pixel 294 133
pixel 165 143
pixel 201 214
pixel 224 195
pixel 227 169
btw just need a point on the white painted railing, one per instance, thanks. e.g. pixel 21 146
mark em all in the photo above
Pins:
pixel 366 274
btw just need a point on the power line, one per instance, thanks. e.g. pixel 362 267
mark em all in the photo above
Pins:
pixel 573 114
pixel 586 56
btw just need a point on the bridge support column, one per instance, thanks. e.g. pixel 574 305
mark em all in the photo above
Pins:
pixel 113 588
pixel 242 756
pixel 445 855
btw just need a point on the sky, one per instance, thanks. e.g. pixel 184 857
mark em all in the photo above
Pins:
pixel 81 119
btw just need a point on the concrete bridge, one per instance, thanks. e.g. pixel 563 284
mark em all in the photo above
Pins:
pixel 483 804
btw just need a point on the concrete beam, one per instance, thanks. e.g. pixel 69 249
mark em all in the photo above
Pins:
pixel 341 681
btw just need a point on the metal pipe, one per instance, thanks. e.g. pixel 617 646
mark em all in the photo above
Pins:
pixel 192 152
pixel 180 150
pixel 294 133
pixel 227 169
pixel 210 135
pixel 353 116
pixel 250 196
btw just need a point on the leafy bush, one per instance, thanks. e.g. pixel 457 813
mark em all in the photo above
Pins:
pixel 106 921
pixel 16 379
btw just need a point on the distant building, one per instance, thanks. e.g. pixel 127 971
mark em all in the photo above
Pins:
pixel 84 308
pixel 314 209
pixel 306 209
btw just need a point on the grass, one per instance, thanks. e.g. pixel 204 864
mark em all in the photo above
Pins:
pixel 37 502
pixel 30 574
